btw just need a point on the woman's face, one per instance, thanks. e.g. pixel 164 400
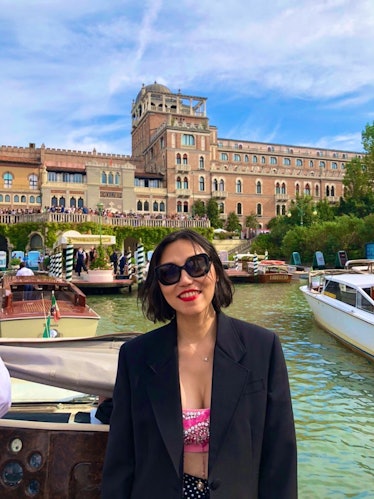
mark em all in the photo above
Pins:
pixel 190 295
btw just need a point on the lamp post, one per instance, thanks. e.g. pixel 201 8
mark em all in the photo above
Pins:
pixel 301 212
pixel 100 207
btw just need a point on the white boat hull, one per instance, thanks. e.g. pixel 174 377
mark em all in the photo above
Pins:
pixel 352 326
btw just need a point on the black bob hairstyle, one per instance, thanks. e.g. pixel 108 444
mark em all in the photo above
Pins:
pixel 154 305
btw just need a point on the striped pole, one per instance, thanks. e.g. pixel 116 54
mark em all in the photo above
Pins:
pixel 140 261
pixel 52 265
pixel 69 262
pixel 236 260
pixel 129 263
pixel 59 264
pixel 255 264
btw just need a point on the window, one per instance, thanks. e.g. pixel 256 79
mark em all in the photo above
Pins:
pixel 263 160
pixel 52 176
pixel 299 162
pixel 277 188
pixel 33 181
pixel 103 178
pixel 237 157
pixel 307 190
pixel 7 198
pixel 201 163
pixel 297 189
pixel 311 163
pixel 54 201
pixel 8 180
pixel 259 209
pixel 327 191
pixel 110 178
pixel 246 158
pixel 139 206
pixel 185 183
pixel 162 143
pixel 66 177
pixel 155 206
pixel 201 184
pixel 322 164
pixel 16 199
pixel 221 207
pixel 316 190
pixel 23 199
pixel 286 161
pixel 179 207
pixel 334 165
pixel 179 159
pixel 221 185
pixel 188 140
pixel 273 160
pixel 332 190
pixel 146 206
pixel 224 156
pixel 73 202
pixel 185 159
pixel 179 183
pixel 239 209
pixel 215 185
pixel 80 203
pixel 162 206
pixel 254 159
pixel 32 199
pixel 117 178
pixel 238 186
pixel 258 187
pixel 61 201
pixel 283 188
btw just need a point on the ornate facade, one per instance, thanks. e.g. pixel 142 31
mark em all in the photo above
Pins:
pixel 177 158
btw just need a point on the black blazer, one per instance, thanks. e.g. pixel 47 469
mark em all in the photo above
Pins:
pixel 252 450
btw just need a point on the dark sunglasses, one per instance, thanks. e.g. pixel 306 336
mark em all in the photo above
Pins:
pixel 195 266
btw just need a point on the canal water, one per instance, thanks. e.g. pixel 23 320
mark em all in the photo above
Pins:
pixel 332 387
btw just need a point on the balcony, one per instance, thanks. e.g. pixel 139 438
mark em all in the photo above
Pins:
pixel 183 193
pixel 182 168
pixel 281 198
pixel 220 194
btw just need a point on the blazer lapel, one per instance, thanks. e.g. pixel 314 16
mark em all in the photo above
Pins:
pixel 229 379
pixel 164 394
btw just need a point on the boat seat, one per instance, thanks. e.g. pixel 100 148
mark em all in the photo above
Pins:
pixel 44 417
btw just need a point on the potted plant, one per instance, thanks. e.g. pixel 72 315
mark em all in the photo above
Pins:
pixel 100 269
pixel 14 262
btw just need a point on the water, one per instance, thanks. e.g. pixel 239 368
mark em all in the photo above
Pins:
pixel 332 387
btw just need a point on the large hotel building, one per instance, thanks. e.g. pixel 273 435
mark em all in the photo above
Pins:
pixel 177 158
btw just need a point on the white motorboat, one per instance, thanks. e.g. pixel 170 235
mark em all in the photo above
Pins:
pixel 342 302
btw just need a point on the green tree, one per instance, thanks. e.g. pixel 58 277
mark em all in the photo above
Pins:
pixel 198 208
pixel 212 212
pixel 232 223
pixel 251 222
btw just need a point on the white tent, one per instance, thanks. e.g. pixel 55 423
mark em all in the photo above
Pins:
pixel 85 241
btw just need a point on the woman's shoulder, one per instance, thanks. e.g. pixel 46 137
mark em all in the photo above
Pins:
pixel 246 330
pixel 147 340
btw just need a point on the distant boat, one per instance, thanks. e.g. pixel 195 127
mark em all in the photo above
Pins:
pixel 267 272
pixel 342 302
pixel 40 305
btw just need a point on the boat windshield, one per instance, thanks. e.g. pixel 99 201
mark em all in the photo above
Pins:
pixel 349 295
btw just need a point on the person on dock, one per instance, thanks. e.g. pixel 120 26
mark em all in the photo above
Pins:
pixel 114 260
pixel 201 405
pixel 23 270
pixel 5 389
pixel 122 264
pixel 81 261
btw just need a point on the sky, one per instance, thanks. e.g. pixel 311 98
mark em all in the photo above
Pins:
pixel 293 72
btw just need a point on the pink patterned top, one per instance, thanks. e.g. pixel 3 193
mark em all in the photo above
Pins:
pixel 196 424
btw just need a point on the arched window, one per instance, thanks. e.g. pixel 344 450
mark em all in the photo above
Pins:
pixel 221 207
pixel 311 163
pixel 238 186
pixel 316 190
pixel 273 160
pixel 139 206
pixel 7 198
pixel 307 190
pixel 33 181
pixel 61 201
pixel 263 160
pixel 80 203
pixel 54 201
pixel 237 157
pixel 73 202
pixel 254 159
pixel 117 178
pixel 185 159
pixel 201 184
pixel 179 159
pixel 278 210
pixel 258 187
pixel 201 163
pixel 23 199
pixel 103 178
pixel 224 156
pixel 221 185
pixel 8 180
pixel 327 191
pixel 286 161
pixel 179 183
pixel 299 162
pixel 215 185
pixel 277 188
pixel 239 208
pixel 297 189
pixel 179 207
pixel 110 178
pixel 185 207
pixel 1 198
pixel 146 206
pixel 259 209
pixel 32 199
pixel 246 158
pixel 155 206
pixel 188 140
pixel 38 199
pixel 162 206
pixel 185 183
pixel 16 199
pixel 334 165
pixel 283 188
pixel 332 190
pixel 322 164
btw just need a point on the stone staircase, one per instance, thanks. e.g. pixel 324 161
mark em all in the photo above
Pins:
pixel 232 245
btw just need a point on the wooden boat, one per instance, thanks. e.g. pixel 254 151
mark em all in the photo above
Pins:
pixel 267 273
pixel 33 306
pixel 50 449
pixel 342 302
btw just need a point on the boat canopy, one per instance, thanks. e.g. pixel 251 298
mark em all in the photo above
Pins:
pixel 86 365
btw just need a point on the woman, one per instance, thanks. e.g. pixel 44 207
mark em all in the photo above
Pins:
pixel 202 407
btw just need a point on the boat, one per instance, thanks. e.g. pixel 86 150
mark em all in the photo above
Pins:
pixel 51 449
pixel 342 302
pixel 265 272
pixel 42 305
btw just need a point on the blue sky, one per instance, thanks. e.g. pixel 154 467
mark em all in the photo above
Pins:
pixel 296 72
